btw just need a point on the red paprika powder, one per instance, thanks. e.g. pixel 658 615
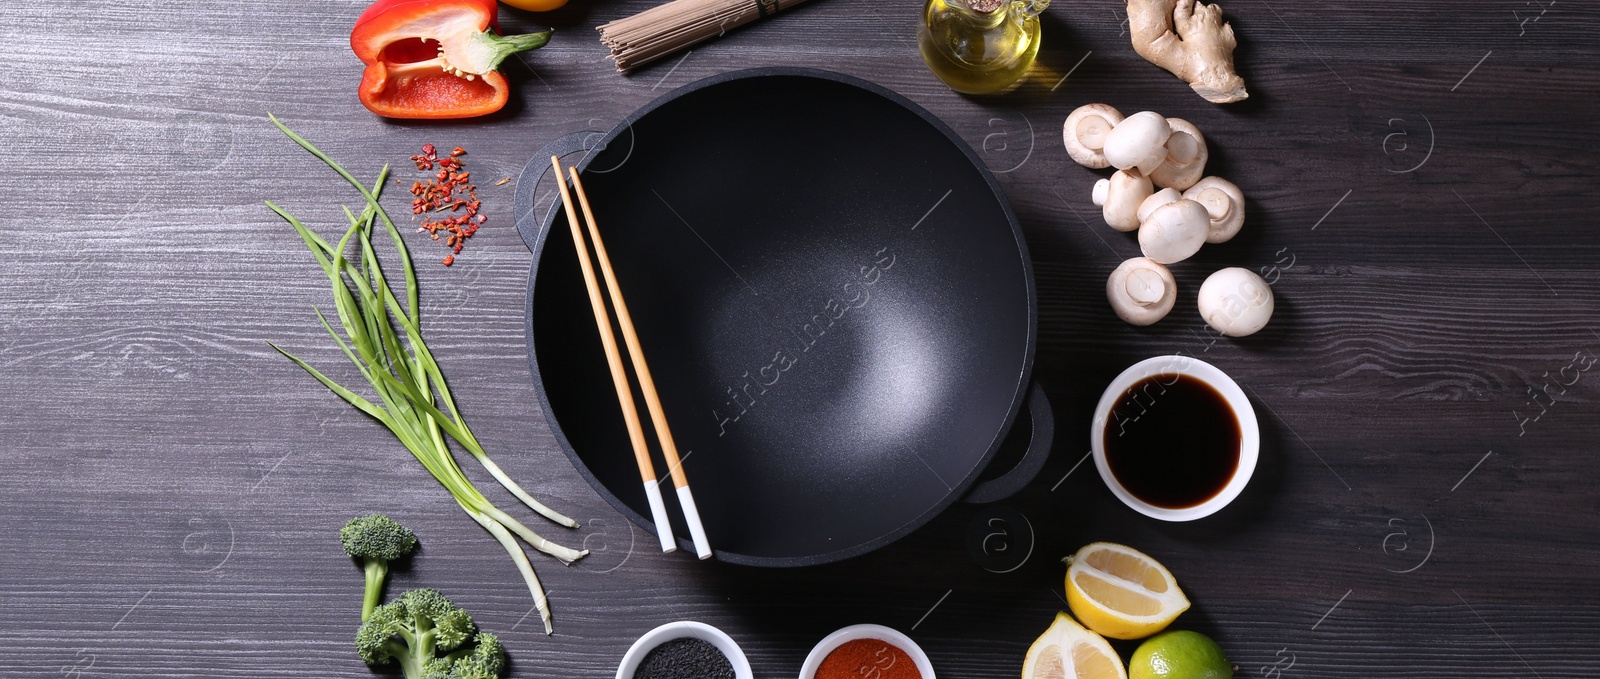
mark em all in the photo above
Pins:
pixel 868 659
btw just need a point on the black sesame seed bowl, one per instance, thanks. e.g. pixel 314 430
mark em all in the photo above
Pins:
pixel 684 649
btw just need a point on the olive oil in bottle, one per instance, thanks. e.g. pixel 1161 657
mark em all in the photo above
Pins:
pixel 980 46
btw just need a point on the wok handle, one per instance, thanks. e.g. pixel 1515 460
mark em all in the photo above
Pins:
pixel 529 222
pixel 1042 418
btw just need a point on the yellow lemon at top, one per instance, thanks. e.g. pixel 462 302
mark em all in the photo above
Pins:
pixel 536 5
pixel 1122 592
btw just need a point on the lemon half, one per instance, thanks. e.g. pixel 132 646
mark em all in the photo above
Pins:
pixel 1121 592
pixel 1068 651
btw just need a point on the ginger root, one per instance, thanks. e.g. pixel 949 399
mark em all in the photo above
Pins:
pixel 1191 40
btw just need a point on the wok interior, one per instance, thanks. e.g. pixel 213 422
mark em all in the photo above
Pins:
pixel 831 374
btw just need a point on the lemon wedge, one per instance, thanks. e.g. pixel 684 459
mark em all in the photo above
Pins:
pixel 1121 592
pixel 1068 651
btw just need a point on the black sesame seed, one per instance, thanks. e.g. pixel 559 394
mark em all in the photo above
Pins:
pixel 684 658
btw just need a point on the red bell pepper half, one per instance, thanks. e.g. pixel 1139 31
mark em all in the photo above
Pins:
pixel 435 58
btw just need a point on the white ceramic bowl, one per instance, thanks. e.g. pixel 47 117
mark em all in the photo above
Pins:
pixel 1249 433
pixel 808 670
pixel 679 630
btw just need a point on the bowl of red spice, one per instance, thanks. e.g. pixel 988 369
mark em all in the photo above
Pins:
pixel 684 650
pixel 866 652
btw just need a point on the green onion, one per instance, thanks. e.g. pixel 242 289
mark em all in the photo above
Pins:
pixel 403 374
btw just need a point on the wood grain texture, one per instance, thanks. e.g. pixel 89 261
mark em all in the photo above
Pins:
pixel 1420 174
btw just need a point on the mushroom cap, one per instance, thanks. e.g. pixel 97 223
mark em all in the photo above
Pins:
pixel 1174 232
pixel 1139 141
pixel 1084 133
pixel 1141 291
pixel 1236 302
pixel 1224 202
pixel 1186 157
pixel 1156 200
pixel 1124 192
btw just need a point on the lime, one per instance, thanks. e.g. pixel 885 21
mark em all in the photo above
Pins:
pixel 1179 655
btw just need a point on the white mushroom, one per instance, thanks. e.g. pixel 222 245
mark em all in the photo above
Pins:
pixel 1224 202
pixel 1141 291
pixel 1235 302
pixel 1174 232
pixel 1138 141
pixel 1156 200
pixel 1085 132
pixel 1119 198
pixel 1186 157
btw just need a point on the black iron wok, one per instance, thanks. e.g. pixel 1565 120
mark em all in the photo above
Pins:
pixel 835 299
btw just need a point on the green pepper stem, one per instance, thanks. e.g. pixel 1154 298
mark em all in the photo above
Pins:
pixel 482 52
pixel 507 45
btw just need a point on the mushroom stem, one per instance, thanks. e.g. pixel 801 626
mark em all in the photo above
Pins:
pixel 1224 204
pixel 1182 149
pixel 1092 131
pixel 1084 133
pixel 1217 203
pixel 1141 291
pixel 1145 287
pixel 1186 156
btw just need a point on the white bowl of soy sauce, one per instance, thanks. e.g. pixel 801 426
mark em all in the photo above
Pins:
pixel 1175 438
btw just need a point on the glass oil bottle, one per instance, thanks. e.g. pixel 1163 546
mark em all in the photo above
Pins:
pixel 980 46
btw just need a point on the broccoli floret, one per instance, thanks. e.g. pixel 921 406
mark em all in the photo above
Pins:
pixel 486 660
pixel 424 632
pixel 376 540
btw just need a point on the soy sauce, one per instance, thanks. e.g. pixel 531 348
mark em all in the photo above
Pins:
pixel 1172 441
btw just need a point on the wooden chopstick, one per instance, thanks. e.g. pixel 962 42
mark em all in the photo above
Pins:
pixel 647 383
pixel 619 375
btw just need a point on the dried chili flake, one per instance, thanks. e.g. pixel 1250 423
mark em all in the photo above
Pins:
pixel 448 190
pixel 427 158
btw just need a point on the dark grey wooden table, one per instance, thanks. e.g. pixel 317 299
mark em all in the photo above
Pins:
pixel 1422 185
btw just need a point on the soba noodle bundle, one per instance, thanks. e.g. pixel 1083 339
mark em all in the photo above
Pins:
pixel 659 31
